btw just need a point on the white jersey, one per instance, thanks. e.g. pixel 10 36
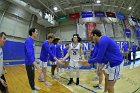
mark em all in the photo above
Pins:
pixel 75 51
pixel 1 62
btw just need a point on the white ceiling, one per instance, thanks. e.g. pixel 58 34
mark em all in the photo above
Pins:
pixel 71 6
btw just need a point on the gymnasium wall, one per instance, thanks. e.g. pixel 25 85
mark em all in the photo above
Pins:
pixel 16 21
pixel 65 30
pixel 111 29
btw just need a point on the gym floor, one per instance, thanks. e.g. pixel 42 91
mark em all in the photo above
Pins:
pixel 18 83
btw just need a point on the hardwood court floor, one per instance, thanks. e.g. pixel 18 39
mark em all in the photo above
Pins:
pixel 129 82
pixel 18 83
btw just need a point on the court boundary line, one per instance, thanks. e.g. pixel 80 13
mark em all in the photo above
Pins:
pixel 75 83
pixel 80 85
pixel 136 90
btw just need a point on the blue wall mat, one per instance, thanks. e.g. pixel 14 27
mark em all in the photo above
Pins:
pixel 13 50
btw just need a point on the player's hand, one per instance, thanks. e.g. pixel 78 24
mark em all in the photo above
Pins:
pixel 60 62
pixel 84 62
pixel 62 59
pixel 37 67
pixel 3 82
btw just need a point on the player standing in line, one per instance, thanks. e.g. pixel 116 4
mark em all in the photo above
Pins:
pixel 108 49
pixel 75 52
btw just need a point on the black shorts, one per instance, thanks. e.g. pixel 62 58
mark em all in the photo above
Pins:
pixel 3 88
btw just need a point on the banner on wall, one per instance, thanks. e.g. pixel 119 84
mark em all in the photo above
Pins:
pixel 138 20
pixel 127 32
pixel 110 14
pixel 120 16
pixel 86 14
pixel 133 19
pixel 121 43
pixel 74 16
pixel 126 24
pixel 137 31
pixel 63 18
pixel 109 30
pixel 81 30
pixel 90 26
pixel 87 45
pixel 99 14
pixel 13 50
pixel 139 42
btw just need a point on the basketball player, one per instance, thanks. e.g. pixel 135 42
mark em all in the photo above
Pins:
pixel 30 62
pixel 74 52
pixel 108 49
pixel 44 56
pixel 55 49
pixel 3 85
pixel 92 56
pixel 59 56
pixel 98 65
pixel 134 49
pixel 125 50
pixel 65 51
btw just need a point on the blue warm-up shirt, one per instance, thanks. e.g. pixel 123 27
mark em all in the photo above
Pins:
pixel 94 54
pixel 53 50
pixel 65 51
pixel 108 49
pixel 29 51
pixel 45 51
pixel 58 51
pixel 91 53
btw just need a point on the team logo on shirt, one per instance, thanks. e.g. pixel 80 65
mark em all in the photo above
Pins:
pixel 75 51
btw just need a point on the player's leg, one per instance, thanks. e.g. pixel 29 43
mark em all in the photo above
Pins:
pixel 71 64
pixel 53 69
pixel 44 70
pixel 100 75
pixel 114 75
pixel 77 75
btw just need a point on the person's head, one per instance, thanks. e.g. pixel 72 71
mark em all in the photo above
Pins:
pixel 56 40
pixel 76 38
pixel 96 34
pixel 50 37
pixel 33 33
pixel 2 38
pixel 92 43
pixel 67 45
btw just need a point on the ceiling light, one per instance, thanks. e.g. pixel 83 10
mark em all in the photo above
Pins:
pixel 98 1
pixel 129 8
pixel 55 8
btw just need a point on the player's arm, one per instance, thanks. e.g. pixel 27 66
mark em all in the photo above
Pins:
pixel 82 52
pixel 5 71
pixel 67 55
pixel 47 47
pixel 104 62
pixel 102 66
pixel 30 52
pixel 37 67
pixel 103 44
